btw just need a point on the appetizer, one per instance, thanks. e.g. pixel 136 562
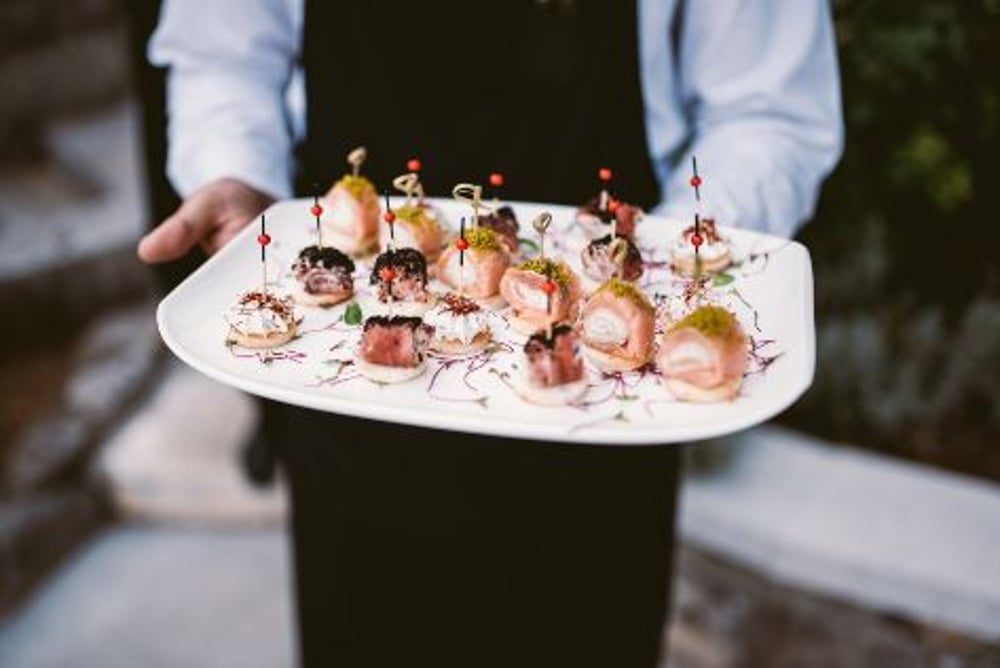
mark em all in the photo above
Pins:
pixel 416 226
pixel 596 222
pixel 704 355
pixel 532 307
pixel 617 325
pixel 553 368
pixel 399 278
pixel 474 265
pixel 609 257
pixel 701 244
pixel 597 215
pixel 352 223
pixel 503 221
pixel 460 325
pixel 261 320
pixel 392 348
pixel 501 218
pixel 322 276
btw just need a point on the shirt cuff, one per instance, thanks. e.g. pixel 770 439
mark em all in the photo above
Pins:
pixel 257 167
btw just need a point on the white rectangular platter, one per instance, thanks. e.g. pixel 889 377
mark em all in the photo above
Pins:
pixel 770 290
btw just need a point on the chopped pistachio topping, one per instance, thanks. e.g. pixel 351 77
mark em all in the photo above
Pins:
pixel 712 321
pixel 554 269
pixel 625 289
pixel 415 215
pixel 482 238
pixel 358 186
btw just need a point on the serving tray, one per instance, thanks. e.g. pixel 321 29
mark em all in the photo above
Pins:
pixel 770 290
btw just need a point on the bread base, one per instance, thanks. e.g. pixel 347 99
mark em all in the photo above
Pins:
pixel 456 347
pixel 523 325
pixel 262 341
pixel 389 374
pixel 686 264
pixel 557 395
pixel 308 299
pixel 494 303
pixel 608 363
pixel 685 391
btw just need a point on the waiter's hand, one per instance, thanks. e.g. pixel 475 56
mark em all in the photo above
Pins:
pixel 210 217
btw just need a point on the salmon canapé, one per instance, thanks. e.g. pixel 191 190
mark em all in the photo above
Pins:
pixel 704 356
pixel 476 271
pixel 414 226
pixel 532 308
pixel 351 221
pixel 617 327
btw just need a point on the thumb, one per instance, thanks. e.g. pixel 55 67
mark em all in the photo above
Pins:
pixel 175 236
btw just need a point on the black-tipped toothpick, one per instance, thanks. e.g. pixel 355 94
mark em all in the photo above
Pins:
pixel 695 179
pixel 462 244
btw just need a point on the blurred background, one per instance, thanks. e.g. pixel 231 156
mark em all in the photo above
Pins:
pixel 862 528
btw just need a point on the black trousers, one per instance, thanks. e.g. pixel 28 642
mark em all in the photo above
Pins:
pixel 425 548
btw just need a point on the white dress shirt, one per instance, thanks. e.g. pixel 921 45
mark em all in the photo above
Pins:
pixel 752 89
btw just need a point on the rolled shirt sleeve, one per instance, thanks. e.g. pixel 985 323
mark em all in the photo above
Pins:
pixel 230 65
pixel 759 87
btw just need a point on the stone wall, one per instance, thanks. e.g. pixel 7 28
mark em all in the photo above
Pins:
pixel 57 57
pixel 726 616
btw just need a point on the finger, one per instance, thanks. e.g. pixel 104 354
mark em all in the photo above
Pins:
pixel 214 242
pixel 172 239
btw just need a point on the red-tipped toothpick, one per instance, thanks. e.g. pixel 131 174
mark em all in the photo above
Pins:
pixel 696 238
pixel 390 218
pixel 604 174
pixel 317 210
pixel 549 287
pixel 264 239
pixel 388 274
pixel 414 166
pixel 496 182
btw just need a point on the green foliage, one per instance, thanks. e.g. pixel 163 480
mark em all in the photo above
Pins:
pixel 907 232
pixel 352 314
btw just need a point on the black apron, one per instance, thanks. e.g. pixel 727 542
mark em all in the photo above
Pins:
pixel 419 547
pixel 546 93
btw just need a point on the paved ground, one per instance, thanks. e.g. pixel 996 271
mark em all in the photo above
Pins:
pixel 161 598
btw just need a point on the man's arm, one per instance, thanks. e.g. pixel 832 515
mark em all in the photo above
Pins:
pixel 760 83
pixel 230 140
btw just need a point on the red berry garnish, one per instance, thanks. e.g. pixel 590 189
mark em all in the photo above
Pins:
pixel 604 174
pixel 695 181
pixel 387 274
pixel 389 217
pixel 461 244
pixel 316 210
pixel 496 179
pixel 613 205
pixel 263 239
pixel 696 240
pixel 413 165
pixel 549 287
